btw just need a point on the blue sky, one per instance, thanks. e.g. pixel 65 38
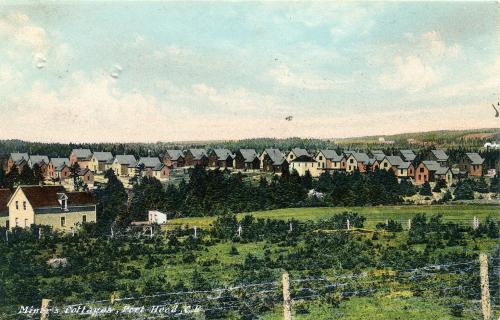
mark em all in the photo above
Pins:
pixel 150 71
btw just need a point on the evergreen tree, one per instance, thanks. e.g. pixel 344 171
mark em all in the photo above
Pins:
pixel 494 185
pixel 425 190
pixel 440 184
pixel 482 186
pixel 112 201
pixel 464 191
pixel 37 174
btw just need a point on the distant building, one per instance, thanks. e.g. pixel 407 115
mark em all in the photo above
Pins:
pixel 440 156
pixel 86 175
pixel 328 160
pixel 273 160
pixel 51 206
pixel 472 163
pixel 153 167
pixel 220 158
pixel 246 159
pixel 407 155
pixel 19 160
pixel 58 168
pixel 174 158
pixel 492 145
pixel 295 153
pixel 356 161
pixel 100 162
pixel 304 163
pixel 124 165
pixel 431 171
pixel 196 157
pixel 80 156
pixel 41 161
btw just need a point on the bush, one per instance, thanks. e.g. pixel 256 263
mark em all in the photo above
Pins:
pixel 391 226
pixel 425 190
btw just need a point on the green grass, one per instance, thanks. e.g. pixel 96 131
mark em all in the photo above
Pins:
pixel 462 213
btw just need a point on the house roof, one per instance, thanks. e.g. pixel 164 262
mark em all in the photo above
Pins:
pixel 82 154
pixel 475 158
pixel 175 154
pixel 404 165
pixel 248 154
pixel 19 157
pixel 377 152
pixel 198 153
pixel 83 171
pixel 440 155
pixel 331 154
pixel 5 195
pixel 304 158
pixel 408 155
pixel 222 154
pixel 38 159
pixel 276 156
pixel 47 196
pixel 150 162
pixel 103 156
pixel 360 156
pixel 126 159
pixel 379 156
pixel 59 163
pixel 395 161
pixel 436 167
pixel 299 152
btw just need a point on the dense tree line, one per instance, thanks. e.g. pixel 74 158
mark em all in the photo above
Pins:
pixel 212 192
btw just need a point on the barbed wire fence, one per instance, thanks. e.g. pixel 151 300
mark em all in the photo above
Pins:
pixel 467 288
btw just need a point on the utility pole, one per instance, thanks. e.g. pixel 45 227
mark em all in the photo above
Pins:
pixel 485 286
pixel 287 305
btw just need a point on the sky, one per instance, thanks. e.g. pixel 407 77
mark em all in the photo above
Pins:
pixel 185 71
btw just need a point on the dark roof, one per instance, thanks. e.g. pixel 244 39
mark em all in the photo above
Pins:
pixel 359 156
pixel 175 154
pixel 377 152
pixel 408 155
pixel 436 167
pixel 276 156
pixel 222 154
pixel 103 156
pixel 83 171
pixel 440 155
pixel 378 156
pixel 150 162
pixel 395 161
pixel 304 158
pixel 38 159
pixel 475 158
pixel 19 157
pixel 82 154
pixel 198 153
pixel 126 159
pixel 331 154
pixel 248 154
pixel 4 199
pixel 47 196
pixel 59 163
pixel 299 152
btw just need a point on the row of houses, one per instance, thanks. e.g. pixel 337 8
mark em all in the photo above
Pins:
pixel 404 165
pixel 46 205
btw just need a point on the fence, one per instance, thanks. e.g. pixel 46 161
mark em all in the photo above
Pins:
pixel 467 284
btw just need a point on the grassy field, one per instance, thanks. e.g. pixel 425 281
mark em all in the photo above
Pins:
pixel 456 213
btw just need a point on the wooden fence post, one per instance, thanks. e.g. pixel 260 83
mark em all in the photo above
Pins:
pixel 348 224
pixel 485 286
pixel 287 305
pixel 44 310
pixel 409 224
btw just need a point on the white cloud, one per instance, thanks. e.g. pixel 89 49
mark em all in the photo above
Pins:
pixel 409 73
pixel 419 64
pixel 285 77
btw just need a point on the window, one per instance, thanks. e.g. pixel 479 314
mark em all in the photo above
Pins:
pixel 63 221
pixel 351 161
pixel 17 222
pixel 422 169
pixel 320 157
pixel 17 205
pixel 385 165
pixel 24 205
pixel 291 156
pixel 419 177
pixel 84 218
pixel 401 171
